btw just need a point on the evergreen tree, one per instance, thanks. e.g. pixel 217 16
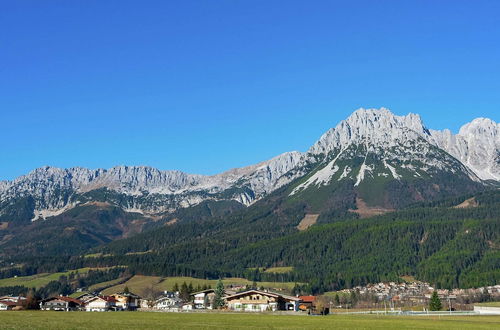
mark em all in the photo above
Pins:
pixel 176 287
pixel 126 290
pixel 219 295
pixel 435 302
pixel 184 292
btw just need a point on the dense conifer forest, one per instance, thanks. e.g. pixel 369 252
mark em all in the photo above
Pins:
pixel 435 242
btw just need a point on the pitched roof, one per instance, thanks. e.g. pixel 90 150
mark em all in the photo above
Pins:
pixel 203 291
pixel 244 293
pixel 309 299
pixel 8 303
pixel 105 298
pixel 126 294
pixel 63 298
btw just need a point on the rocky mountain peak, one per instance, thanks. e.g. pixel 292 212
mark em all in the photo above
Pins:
pixel 375 126
pixel 481 128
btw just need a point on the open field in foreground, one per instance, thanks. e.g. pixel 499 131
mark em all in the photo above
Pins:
pixel 150 320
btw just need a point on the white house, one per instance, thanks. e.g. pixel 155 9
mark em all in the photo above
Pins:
pixel 168 303
pixel 100 304
pixel 203 299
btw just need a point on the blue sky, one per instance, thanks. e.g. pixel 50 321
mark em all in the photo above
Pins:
pixel 204 86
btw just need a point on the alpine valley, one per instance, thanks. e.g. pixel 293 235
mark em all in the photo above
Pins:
pixel 377 197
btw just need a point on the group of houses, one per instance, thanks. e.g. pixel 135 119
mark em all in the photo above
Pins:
pixel 8 303
pixel 245 301
pixel 123 301
pixel 419 293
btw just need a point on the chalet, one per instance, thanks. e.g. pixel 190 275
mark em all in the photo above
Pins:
pixel 61 303
pixel 100 304
pixel 260 301
pixel 126 301
pixel 306 302
pixel 203 299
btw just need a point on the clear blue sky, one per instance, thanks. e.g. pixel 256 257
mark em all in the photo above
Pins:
pixel 204 86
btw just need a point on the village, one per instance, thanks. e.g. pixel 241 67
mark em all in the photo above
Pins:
pixel 389 296
pixel 246 301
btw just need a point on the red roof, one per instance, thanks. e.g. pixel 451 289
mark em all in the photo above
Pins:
pixel 8 303
pixel 67 299
pixel 108 298
pixel 307 299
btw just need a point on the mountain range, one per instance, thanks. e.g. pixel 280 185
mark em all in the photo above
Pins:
pixel 373 147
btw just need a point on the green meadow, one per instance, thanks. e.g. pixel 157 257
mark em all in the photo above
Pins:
pixel 38 280
pixel 151 320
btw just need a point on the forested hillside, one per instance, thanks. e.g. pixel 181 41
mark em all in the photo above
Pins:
pixel 443 244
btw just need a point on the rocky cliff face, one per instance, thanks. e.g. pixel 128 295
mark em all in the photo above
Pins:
pixel 477 145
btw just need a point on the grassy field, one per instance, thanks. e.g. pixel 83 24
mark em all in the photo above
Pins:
pixel 99 286
pixel 38 280
pixel 145 320
pixel 279 270
pixel 138 283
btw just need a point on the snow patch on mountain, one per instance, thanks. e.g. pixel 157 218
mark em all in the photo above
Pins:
pixel 395 175
pixel 321 177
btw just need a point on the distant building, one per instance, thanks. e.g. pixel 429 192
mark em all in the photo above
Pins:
pixel 168 303
pixel 7 305
pixel 260 301
pixel 126 301
pixel 61 303
pixel 306 302
pixel 100 304
pixel 203 299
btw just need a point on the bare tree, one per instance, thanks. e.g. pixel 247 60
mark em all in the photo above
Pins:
pixel 150 294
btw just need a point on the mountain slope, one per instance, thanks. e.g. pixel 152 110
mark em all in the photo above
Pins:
pixel 389 161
